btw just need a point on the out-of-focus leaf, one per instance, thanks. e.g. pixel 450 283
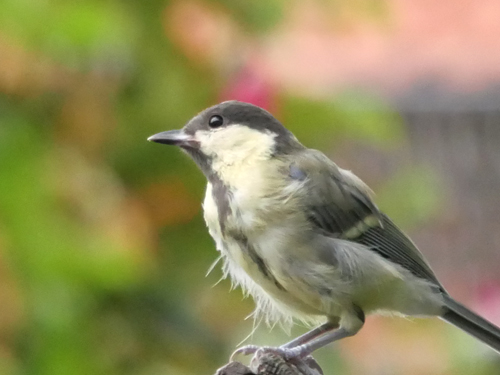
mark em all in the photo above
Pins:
pixel 321 123
pixel 257 16
pixel 367 118
pixel 314 122
pixel 410 196
pixel 75 33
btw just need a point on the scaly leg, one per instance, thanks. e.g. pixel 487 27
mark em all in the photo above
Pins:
pixel 307 348
pixel 316 332
pixel 313 340
pixel 308 336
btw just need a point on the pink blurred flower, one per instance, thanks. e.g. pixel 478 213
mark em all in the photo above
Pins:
pixel 251 85
pixel 488 300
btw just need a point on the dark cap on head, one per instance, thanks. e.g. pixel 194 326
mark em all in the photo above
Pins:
pixel 245 114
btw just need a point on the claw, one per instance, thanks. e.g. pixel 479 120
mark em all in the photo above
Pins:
pixel 245 350
pixel 311 363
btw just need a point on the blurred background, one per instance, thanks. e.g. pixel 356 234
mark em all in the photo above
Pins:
pixel 103 250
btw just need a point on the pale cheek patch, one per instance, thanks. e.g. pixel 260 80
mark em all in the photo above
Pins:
pixel 234 147
pixel 235 139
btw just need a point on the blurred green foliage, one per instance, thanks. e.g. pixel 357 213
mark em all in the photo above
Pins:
pixel 102 245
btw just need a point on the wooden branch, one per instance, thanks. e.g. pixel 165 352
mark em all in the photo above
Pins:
pixel 266 362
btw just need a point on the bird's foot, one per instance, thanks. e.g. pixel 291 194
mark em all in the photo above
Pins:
pixel 296 352
pixel 297 355
pixel 245 350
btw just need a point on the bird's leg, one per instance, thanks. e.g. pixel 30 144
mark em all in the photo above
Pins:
pixel 312 340
pixel 307 348
pixel 312 334
pixel 318 331
pixel 349 326
pixel 297 342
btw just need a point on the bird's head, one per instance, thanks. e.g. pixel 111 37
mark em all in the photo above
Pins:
pixel 230 135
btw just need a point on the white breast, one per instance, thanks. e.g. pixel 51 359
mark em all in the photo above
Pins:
pixel 249 205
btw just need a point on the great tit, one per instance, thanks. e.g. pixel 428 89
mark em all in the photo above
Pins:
pixel 303 236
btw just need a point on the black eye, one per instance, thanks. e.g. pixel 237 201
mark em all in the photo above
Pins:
pixel 215 121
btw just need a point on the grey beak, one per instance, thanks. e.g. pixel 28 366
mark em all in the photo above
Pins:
pixel 174 137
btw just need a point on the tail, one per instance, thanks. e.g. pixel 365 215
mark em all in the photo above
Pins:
pixel 461 317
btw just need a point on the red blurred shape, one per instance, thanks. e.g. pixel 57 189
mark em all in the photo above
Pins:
pixel 488 303
pixel 251 86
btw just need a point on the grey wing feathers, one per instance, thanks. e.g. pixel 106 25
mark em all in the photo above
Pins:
pixel 391 243
pixel 335 204
pixel 338 204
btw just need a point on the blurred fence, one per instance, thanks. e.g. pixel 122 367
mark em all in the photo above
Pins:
pixel 464 149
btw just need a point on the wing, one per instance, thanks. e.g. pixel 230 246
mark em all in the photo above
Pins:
pixel 339 205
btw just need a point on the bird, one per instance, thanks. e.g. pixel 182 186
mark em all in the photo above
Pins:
pixel 303 236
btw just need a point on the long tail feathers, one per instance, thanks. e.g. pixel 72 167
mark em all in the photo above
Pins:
pixel 461 317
